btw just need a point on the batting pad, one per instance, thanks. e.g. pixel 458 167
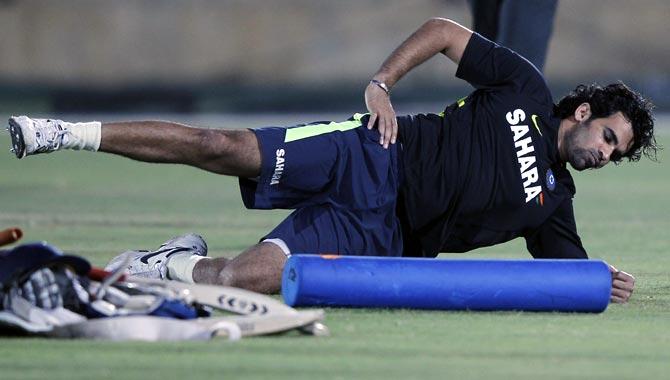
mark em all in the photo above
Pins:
pixel 486 285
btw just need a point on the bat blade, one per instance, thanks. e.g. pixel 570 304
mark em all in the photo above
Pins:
pixel 254 325
pixel 234 300
pixel 258 313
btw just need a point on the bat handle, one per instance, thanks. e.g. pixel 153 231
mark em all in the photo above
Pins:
pixel 99 274
pixel 10 235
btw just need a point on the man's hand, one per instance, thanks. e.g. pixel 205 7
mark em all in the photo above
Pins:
pixel 437 35
pixel 381 111
pixel 622 286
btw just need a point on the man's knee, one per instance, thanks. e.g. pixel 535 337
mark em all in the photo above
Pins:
pixel 227 277
pixel 263 280
pixel 258 269
pixel 231 152
pixel 218 142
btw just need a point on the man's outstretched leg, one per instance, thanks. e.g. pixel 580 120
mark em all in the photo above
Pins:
pixel 229 152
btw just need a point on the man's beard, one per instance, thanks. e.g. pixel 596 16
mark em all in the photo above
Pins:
pixel 578 157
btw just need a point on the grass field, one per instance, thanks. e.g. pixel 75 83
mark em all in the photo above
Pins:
pixel 98 205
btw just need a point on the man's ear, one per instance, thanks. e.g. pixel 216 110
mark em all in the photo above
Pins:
pixel 583 112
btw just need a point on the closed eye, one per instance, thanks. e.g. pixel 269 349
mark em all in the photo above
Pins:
pixel 612 139
pixel 610 136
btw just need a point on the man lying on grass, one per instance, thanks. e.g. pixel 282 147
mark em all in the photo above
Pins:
pixel 490 168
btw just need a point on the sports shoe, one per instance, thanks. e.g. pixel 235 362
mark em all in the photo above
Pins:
pixel 33 136
pixel 153 264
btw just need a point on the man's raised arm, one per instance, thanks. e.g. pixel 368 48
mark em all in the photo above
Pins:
pixel 437 35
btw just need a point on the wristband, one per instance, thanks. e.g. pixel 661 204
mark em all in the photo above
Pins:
pixel 381 85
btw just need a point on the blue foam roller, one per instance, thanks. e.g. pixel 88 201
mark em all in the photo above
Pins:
pixel 488 285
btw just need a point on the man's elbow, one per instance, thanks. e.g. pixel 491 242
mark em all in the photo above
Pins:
pixel 440 23
pixel 449 35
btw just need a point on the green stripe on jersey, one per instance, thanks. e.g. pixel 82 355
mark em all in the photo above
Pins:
pixel 299 133
pixel 461 101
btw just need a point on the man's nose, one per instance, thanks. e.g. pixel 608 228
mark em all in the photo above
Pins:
pixel 605 152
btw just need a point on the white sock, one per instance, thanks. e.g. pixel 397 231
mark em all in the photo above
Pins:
pixel 180 266
pixel 84 136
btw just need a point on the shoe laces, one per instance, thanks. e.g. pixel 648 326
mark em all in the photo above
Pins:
pixel 49 137
pixel 161 267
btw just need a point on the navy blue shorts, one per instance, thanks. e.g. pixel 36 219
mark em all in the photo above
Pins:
pixel 341 182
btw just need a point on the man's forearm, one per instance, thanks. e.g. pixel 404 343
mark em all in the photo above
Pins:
pixel 435 36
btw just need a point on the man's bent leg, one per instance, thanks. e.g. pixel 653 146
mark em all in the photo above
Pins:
pixel 259 269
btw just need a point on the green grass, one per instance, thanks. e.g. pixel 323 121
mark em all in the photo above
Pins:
pixel 98 205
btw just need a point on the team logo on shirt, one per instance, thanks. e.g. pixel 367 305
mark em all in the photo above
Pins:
pixel 551 180
pixel 279 167
pixel 525 153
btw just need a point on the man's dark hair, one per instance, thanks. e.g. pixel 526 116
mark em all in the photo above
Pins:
pixel 608 100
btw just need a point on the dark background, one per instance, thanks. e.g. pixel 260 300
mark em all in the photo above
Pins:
pixel 299 55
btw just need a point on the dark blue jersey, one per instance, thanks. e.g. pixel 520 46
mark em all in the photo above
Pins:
pixel 487 170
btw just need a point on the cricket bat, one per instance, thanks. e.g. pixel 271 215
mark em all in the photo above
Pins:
pixel 226 298
pixel 150 328
pixel 234 300
pixel 254 325
pixel 260 314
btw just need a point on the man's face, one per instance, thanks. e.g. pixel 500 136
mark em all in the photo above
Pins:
pixel 591 144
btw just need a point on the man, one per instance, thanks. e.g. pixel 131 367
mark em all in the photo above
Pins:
pixel 488 169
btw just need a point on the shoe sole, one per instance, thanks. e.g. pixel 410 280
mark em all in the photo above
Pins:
pixel 18 144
